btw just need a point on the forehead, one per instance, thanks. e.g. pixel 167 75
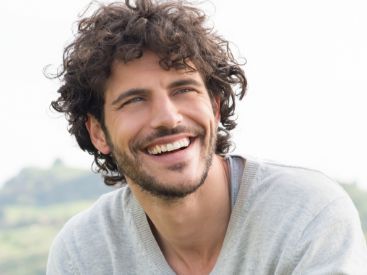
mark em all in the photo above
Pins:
pixel 145 71
pixel 149 61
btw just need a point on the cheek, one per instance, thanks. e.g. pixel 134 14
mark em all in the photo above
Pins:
pixel 204 117
pixel 124 131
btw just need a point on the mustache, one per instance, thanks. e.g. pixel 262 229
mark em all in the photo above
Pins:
pixel 162 132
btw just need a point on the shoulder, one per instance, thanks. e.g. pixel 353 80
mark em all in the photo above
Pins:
pixel 292 197
pixel 87 234
pixel 328 233
pixel 303 213
pixel 109 209
pixel 307 188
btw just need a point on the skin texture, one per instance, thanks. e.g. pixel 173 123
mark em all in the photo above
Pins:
pixel 147 106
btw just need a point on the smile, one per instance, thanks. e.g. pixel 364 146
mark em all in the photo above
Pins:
pixel 169 147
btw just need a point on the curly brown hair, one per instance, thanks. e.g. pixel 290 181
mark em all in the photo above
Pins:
pixel 175 31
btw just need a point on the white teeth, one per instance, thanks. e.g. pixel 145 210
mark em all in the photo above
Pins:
pixel 157 149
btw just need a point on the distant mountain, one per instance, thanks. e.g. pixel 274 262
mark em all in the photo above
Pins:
pixel 60 183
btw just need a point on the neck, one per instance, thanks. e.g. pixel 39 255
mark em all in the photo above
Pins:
pixel 190 231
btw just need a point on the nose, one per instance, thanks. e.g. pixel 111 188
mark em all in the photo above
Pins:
pixel 165 113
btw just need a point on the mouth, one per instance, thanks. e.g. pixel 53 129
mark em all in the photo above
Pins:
pixel 169 147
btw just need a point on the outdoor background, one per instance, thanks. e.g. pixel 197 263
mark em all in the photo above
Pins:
pixel 306 64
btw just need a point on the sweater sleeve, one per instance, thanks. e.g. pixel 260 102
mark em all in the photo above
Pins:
pixel 59 261
pixel 333 242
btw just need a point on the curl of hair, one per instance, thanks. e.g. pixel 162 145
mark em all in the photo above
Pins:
pixel 175 31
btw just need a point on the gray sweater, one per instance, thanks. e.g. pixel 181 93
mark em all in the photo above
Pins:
pixel 284 220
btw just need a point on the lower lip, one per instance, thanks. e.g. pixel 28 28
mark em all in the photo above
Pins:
pixel 182 155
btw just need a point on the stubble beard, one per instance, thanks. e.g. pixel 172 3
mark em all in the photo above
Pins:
pixel 131 167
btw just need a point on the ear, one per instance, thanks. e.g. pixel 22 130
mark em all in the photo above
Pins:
pixel 216 107
pixel 97 135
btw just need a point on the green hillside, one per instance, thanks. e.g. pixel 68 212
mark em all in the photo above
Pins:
pixel 33 207
pixel 36 203
pixel 58 184
pixel 359 198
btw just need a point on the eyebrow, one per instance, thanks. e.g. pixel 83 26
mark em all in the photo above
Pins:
pixel 183 82
pixel 139 91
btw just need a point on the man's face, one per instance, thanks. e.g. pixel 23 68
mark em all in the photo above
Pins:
pixel 161 127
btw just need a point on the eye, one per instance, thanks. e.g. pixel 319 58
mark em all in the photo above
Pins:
pixel 184 90
pixel 133 100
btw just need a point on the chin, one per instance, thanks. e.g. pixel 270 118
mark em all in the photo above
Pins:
pixel 172 189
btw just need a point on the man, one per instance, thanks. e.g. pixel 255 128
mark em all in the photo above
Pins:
pixel 150 92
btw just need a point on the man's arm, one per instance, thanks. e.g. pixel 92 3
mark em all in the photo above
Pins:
pixel 333 242
pixel 59 262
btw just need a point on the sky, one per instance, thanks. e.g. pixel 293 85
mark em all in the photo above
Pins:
pixel 306 65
